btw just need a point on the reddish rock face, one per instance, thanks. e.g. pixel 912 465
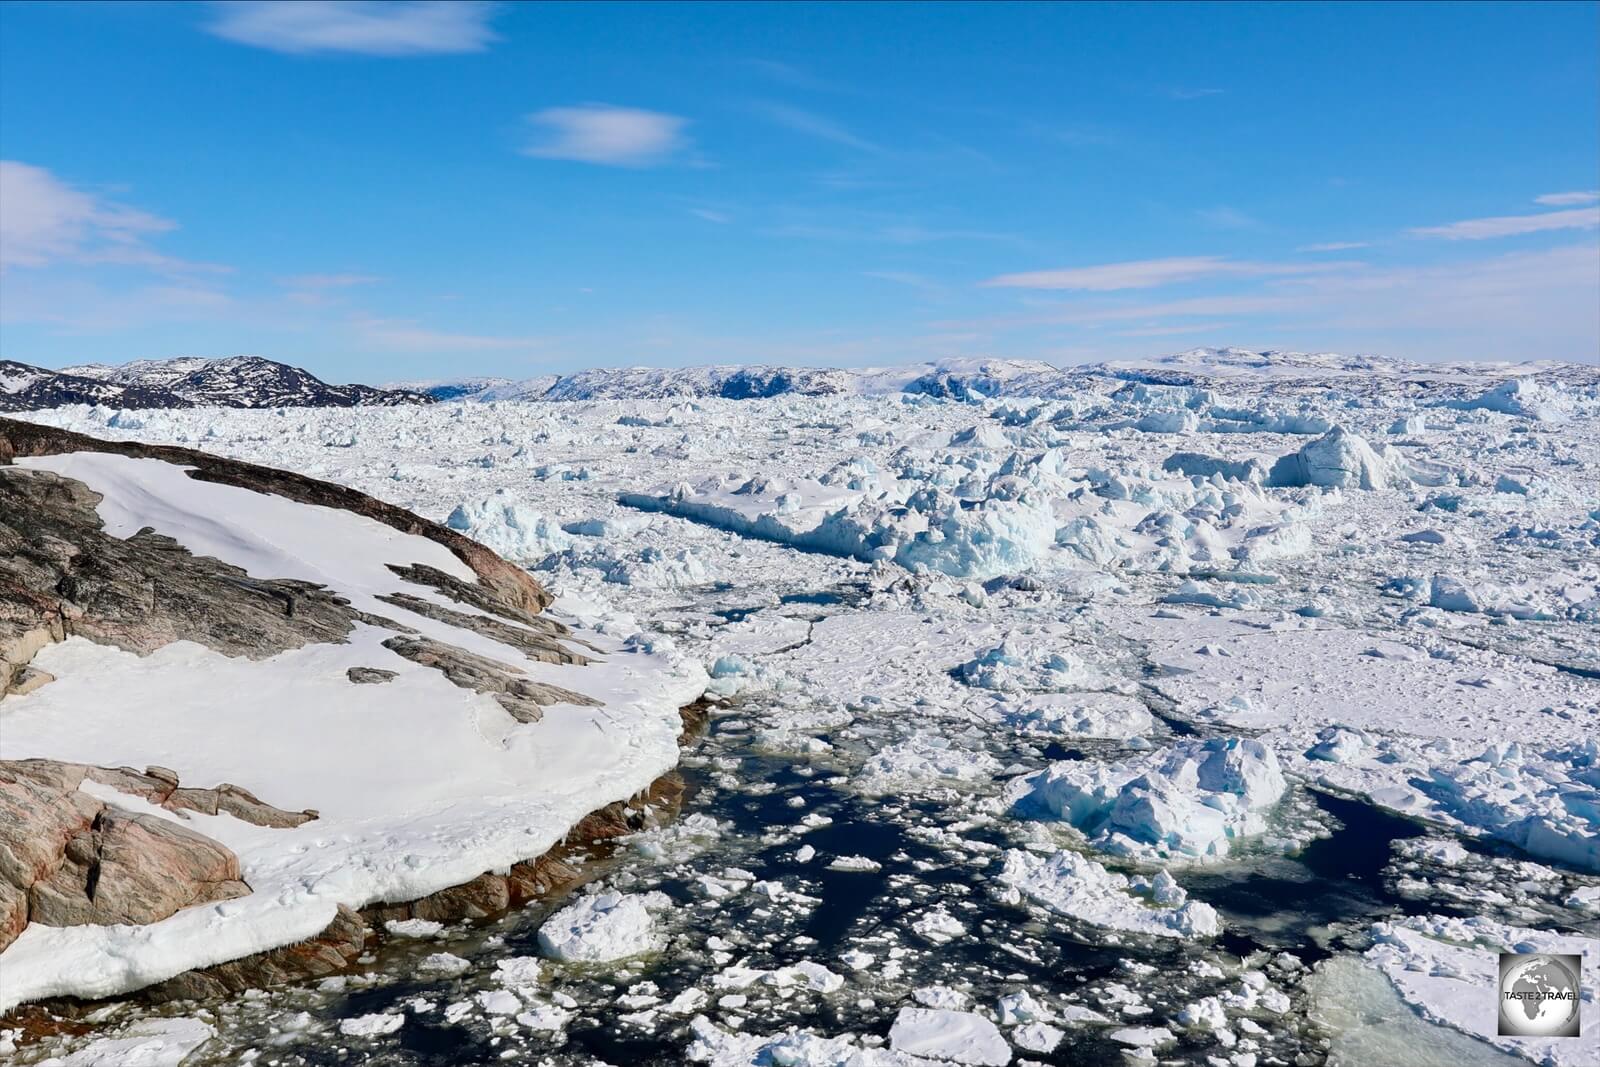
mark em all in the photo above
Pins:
pixel 134 868
pixel 67 859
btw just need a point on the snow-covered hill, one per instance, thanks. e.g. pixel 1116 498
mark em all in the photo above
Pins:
pixel 967 379
pixel 255 382
pixel 26 388
pixel 190 381
pixel 362 706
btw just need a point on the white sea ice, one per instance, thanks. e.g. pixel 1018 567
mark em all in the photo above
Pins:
pixel 1338 459
pixel 924 758
pixel 1518 396
pixel 1022 666
pixel 938 926
pixel 940 996
pixel 1543 800
pixel 806 975
pixel 510 527
pixel 1188 801
pixel 956 1036
pixel 414 928
pixel 375 1025
pixel 444 964
pixel 1077 886
pixel 602 927
pixel 153 1042
pixel 1448 968
pixel 1084 715
pixel 1038 1037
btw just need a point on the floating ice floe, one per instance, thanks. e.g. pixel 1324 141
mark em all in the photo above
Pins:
pixel 154 1042
pixel 1076 886
pixel 1448 969
pixel 510 527
pixel 603 927
pixel 1084 715
pixel 1528 399
pixel 1544 801
pixel 375 1025
pixel 1338 459
pixel 806 975
pixel 1188 801
pixel 925 758
pixel 954 1036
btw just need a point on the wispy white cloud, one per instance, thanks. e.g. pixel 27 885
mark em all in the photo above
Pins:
pixel 365 27
pixel 1512 225
pixel 875 230
pixel 45 221
pixel 1587 196
pixel 612 136
pixel 1523 305
pixel 1226 218
pixel 1181 329
pixel 711 215
pixel 407 335
pixel 1333 246
pixel 1149 273
pixel 790 75
pixel 814 125
pixel 910 279
pixel 328 281
pixel 83 305
pixel 319 289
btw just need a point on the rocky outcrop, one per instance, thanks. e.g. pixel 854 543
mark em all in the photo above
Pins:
pixel 535 637
pixel 61 574
pixel 70 859
pixel 505 585
pixel 233 382
pixel 521 696
pixel 70 854
pixel 27 388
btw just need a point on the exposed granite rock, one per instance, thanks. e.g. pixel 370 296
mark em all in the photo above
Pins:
pixel 350 934
pixel 37 819
pixel 485 896
pixel 133 868
pixel 474 594
pixel 499 582
pixel 67 858
pixel 61 574
pixel 520 695
pixel 535 640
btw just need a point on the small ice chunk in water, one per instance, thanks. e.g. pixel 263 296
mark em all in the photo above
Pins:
pixel 375 1025
pixel 605 926
pixel 959 1036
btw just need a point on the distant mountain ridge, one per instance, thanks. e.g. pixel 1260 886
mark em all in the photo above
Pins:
pixel 976 378
pixel 190 381
pixel 255 382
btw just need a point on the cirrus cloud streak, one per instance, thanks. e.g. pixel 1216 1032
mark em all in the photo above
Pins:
pixel 1149 273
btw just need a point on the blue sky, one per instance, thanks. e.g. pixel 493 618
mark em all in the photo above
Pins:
pixel 382 191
